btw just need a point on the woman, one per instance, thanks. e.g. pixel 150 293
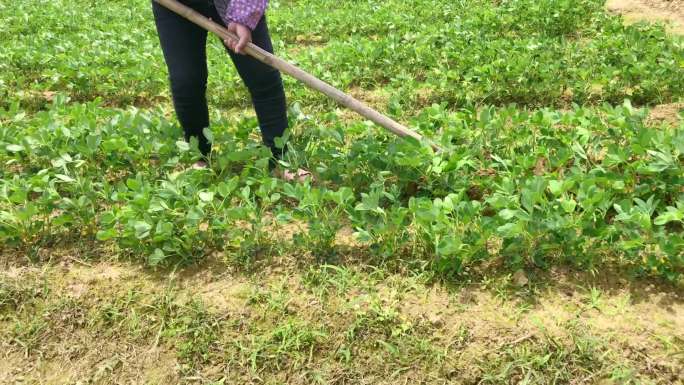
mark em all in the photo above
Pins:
pixel 184 47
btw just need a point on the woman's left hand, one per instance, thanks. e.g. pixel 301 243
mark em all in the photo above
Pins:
pixel 244 35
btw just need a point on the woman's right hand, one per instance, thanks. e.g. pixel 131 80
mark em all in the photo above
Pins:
pixel 244 35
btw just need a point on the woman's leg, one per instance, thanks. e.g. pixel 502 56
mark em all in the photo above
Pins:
pixel 184 47
pixel 266 88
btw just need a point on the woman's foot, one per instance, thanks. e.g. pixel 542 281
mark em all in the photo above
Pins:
pixel 300 175
pixel 200 165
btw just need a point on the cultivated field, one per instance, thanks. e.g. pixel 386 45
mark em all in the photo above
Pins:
pixel 545 246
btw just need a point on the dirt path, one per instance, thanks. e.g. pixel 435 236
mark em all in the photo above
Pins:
pixel 119 323
pixel 668 11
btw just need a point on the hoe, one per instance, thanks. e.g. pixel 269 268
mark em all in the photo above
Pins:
pixel 299 74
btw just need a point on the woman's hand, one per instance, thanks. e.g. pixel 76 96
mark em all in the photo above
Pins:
pixel 244 35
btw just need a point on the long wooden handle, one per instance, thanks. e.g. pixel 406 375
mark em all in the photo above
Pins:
pixel 294 71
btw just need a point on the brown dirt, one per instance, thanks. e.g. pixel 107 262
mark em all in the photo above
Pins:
pixel 668 114
pixel 643 322
pixel 668 11
pixel 227 295
pixel 345 237
pixel 287 231
pixel 376 99
pixel 425 96
pixel 306 44
pixel 81 358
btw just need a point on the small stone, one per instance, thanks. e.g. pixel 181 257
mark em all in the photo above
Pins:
pixel 435 320
pixel 520 278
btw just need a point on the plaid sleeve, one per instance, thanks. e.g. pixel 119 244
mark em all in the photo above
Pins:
pixel 245 12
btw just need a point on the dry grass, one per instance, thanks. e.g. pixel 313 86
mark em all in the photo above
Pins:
pixel 668 114
pixel 111 322
pixel 670 12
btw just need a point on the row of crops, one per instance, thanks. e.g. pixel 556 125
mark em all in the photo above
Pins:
pixel 474 52
pixel 537 188
pixel 590 183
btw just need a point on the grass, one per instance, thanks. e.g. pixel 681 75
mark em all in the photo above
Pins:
pixel 284 328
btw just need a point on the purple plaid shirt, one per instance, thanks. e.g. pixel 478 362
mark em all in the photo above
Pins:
pixel 245 12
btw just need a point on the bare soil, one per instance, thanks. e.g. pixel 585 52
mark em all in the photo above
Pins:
pixel 472 330
pixel 670 12
pixel 668 114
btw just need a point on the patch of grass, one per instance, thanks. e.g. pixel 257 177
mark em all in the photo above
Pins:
pixel 327 280
pixel 28 333
pixel 15 293
pixel 274 299
pixel 289 344
pixel 193 331
pixel 285 333
pixel 579 357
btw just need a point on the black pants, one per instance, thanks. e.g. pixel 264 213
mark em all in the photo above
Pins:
pixel 184 47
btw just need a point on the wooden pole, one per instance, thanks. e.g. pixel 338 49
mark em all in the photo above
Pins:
pixel 294 71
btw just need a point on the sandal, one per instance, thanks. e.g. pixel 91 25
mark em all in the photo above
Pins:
pixel 200 165
pixel 300 176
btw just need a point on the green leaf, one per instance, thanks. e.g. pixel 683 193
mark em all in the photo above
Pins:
pixel 208 134
pixel 58 162
pixel 134 184
pixel 528 199
pixel 507 214
pixel 392 349
pixel 449 246
pixel 19 196
pixel 227 188
pixel 65 178
pixel 156 258
pixel 369 202
pixel 163 230
pixel 14 148
pixel 194 215
pixel 672 215
pixel 556 187
pixel 245 193
pixel 569 205
pixel 362 235
pixel 105 235
pixel 206 196
pixel 142 229
pixel 62 220
pixel 510 230
pixel 183 146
